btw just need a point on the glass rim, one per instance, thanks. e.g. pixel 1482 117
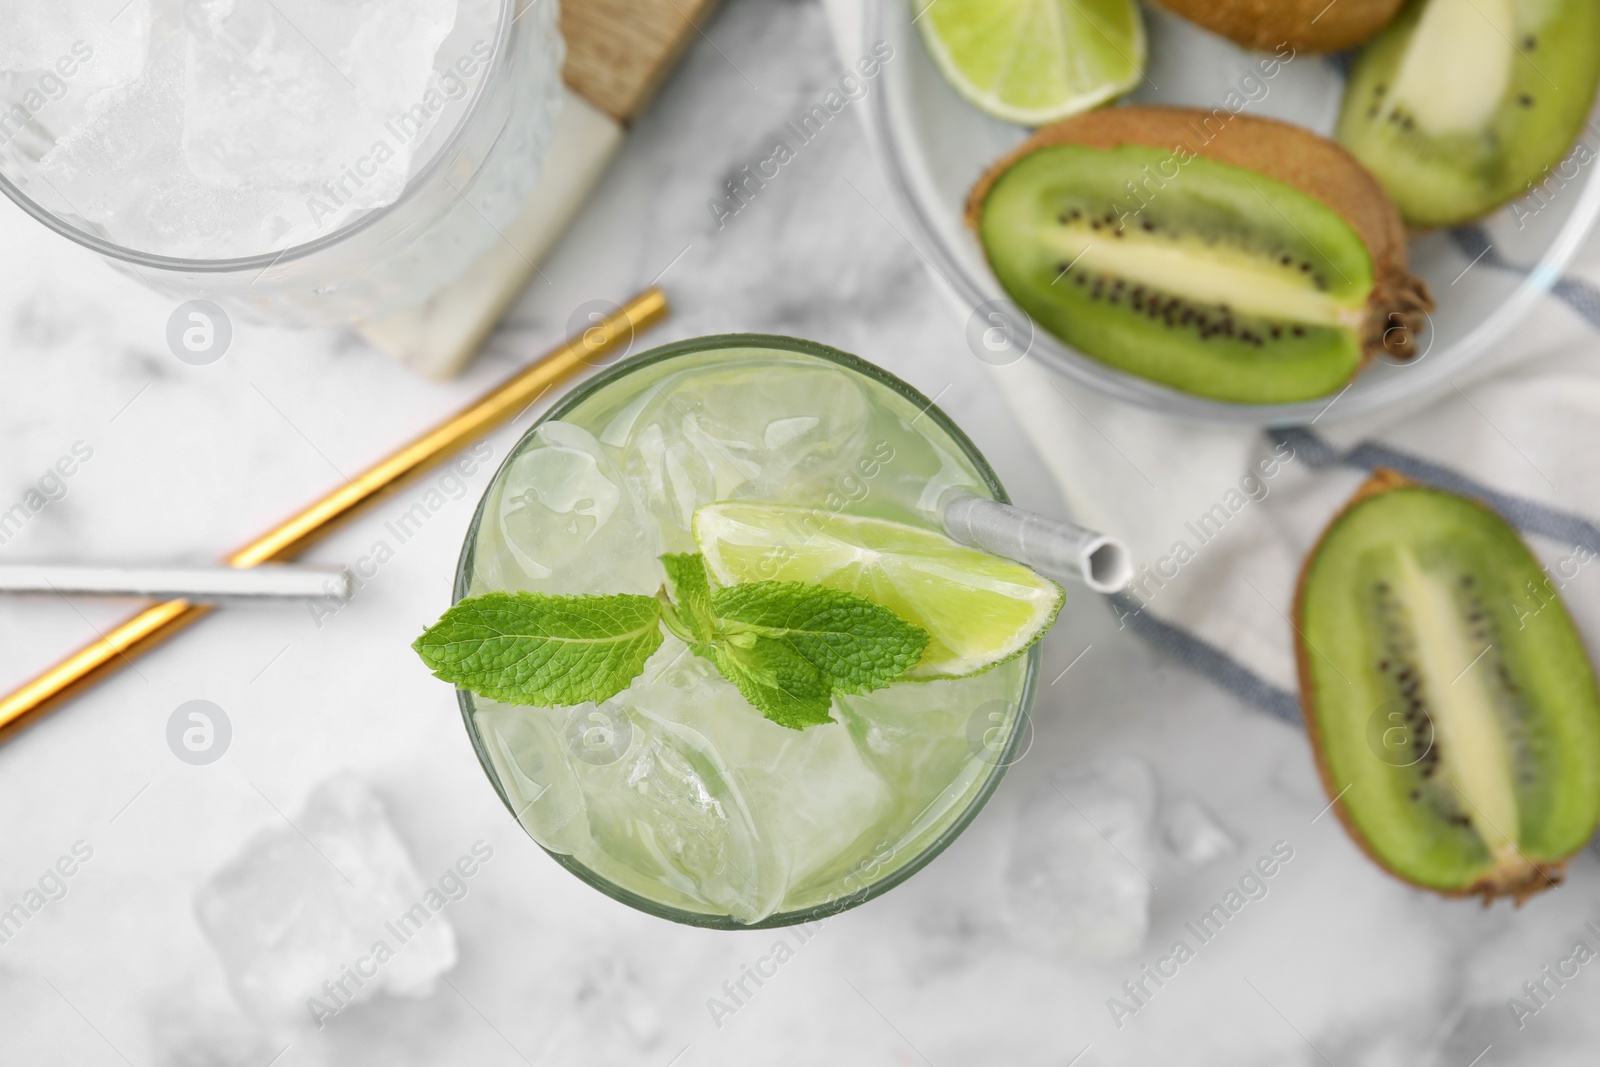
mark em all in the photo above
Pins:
pixel 997 770
pixel 264 261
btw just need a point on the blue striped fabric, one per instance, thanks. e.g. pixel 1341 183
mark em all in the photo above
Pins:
pixel 1527 515
pixel 1208 659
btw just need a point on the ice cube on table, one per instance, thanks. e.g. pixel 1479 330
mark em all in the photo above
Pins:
pixel 1193 836
pixel 570 522
pixel 1076 881
pixel 102 42
pixel 302 905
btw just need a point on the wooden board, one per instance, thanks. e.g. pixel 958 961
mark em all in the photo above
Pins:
pixel 619 51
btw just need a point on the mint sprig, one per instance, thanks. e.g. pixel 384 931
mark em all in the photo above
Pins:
pixel 787 646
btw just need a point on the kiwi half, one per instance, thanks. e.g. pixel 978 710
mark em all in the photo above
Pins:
pixel 1304 25
pixel 1462 105
pixel 1235 258
pixel 1447 694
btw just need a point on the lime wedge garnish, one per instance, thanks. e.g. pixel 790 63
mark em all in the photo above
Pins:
pixel 1035 61
pixel 978 609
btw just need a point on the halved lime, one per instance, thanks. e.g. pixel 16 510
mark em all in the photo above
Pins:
pixel 1035 61
pixel 979 609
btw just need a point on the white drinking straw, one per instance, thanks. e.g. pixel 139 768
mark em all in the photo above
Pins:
pixel 190 583
pixel 1062 549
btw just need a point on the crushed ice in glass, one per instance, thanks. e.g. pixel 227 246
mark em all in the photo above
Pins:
pixel 218 128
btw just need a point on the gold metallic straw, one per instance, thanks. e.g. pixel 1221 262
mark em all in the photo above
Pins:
pixel 155 624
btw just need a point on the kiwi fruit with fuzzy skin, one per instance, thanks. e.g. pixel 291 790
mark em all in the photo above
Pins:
pixel 1304 25
pixel 1236 258
pixel 1447 694
pixel 1462 105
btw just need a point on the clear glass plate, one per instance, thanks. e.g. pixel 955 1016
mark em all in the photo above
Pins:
pixel 934 146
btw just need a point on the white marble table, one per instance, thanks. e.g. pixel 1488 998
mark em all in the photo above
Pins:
pixel 1338 964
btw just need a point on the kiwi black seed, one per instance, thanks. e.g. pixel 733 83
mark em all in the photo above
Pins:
pixel 1301 25
pixel 1462 105
pixel 1452 706
pixel 1291 262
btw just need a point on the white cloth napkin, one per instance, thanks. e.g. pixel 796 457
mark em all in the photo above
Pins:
pixel 1220 519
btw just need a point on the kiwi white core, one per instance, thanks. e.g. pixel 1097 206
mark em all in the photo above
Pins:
pixel 1206 274
pixel 1457 65
pixel 1473 753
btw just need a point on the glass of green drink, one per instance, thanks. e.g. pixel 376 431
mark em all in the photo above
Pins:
pixel 774 461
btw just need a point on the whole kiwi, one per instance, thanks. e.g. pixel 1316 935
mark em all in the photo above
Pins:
pixel 1304 25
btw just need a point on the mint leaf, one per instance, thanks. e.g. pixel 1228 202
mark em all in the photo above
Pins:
pixel 777 681
pixel 691 590
pixel 855 644
pixel 532 648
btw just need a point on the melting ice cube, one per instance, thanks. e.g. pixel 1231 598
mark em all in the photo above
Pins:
pixel 530 756
pixel 673 813
pixel 562 507
pixel 1081 850
pixel 1193 836
pixel 781 432
pixel 296 917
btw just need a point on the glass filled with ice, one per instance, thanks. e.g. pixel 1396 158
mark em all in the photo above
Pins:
pixel 779 464
pixel 311 161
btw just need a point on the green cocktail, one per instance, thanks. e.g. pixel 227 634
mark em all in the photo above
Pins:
pixel 677 795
